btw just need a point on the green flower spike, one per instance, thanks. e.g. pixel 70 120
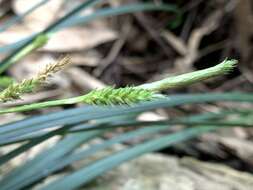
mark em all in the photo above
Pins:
pixel 118 96
pixel 132 95
pixel 15 90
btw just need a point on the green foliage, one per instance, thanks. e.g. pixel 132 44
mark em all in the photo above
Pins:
pixel 106 118
pixel 37 43
pixel 112 96
pixel 190 78
pixel 15 90
pixel 5 81
pixel 26 46
pixel 128 95
pixel 81 125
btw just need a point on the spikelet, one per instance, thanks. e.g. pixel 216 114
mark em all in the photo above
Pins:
pixel 5 82
pixel 118 96
pixel 228 65
pixel 50 69
pixel 15 90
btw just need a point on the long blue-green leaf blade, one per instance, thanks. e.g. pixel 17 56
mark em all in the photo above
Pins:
pixel 86 174
pixel 77 115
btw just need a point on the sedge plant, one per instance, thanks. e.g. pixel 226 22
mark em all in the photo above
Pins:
pixel 112 96
pixel 107 115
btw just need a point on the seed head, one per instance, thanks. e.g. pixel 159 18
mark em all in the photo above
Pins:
pixel 15 90
pixel 118 96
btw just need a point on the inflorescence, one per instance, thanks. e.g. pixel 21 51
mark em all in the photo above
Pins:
pixel 15 90
pixel 118 96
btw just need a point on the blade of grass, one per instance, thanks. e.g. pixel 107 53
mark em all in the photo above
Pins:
pixel 101 13
pixel 8 61
pixel 37 165
pixel 15 45
pixel 86 174
pixel 85 114
pixel 37 43
pixel 27 47
pixel 115 11
pixel 10 22
pixel 83 127
pixel 35 141
pixel 59 131
pixel 57 164
pixel 118 139
pixel 136 123
pixel 110 125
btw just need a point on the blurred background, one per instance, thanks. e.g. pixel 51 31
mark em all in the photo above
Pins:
pixel 140 47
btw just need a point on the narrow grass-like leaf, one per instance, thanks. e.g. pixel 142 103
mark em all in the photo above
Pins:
pixel 37 43
pixel 101 13
pixel 42 161
pixel 37 165
pixel 63 22
pixel 59 131
pixel 241 123
pixel 35 141
pixel 86 174
pixel 113 123
pixel 24 49
pixel 133 123
pixel 52 166
pixel 77 115
pixel 124 9
pixel 55 165
pixel 10 22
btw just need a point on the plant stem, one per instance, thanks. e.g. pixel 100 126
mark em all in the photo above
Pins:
pixel 38 42
pixel 190 78
pixel 69 20
pixel 40 105
pixel 27 47
pixel 171 82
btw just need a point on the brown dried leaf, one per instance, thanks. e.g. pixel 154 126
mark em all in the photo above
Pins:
pixel 71 39
pixel 79 38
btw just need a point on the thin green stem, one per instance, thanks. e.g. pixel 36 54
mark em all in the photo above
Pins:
pixel 131 95
pixel 32 44
pixel 67 21
pixel 101 13
pixel 40 105
pixel 37 43
pixel 190 78
pixel 115 11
